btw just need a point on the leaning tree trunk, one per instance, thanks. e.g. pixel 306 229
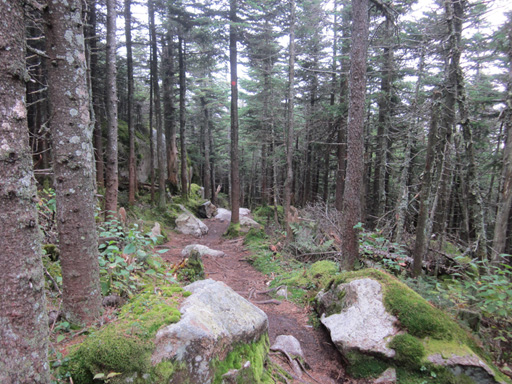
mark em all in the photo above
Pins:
pixel 111 179
pixel 235 176
pixel 129 102
pixel 73 161
pixel 289 126
pixel 23 321
pixel 355 134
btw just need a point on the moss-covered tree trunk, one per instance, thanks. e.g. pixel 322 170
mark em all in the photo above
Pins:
pixel 23 321
pixel 73 160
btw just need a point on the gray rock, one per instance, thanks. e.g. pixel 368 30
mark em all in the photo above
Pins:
pixel 207 210
pixel 156 231
pixel 469 365
pixel 225 215
pixel 363 325
pixel 246 223
pixel 289 345
pixel 387 377
pixel 188 224
pixel 214 319
pixel 202 249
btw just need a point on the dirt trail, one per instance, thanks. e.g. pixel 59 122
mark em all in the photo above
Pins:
pixel 284 319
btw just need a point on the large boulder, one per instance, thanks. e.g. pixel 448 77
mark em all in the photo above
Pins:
pixel 207 210
pixel 246 224
pixel 188 224
pixel 362 323
pixel 376 322
pixel 225 214
pixel 214 322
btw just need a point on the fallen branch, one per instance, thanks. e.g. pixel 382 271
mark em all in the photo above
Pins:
pixel 272 301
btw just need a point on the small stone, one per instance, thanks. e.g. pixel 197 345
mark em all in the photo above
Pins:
pixel 202 249
pixel 156 231
pixel 387 377
pixel 288 344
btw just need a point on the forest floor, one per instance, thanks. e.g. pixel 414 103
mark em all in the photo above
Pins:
pixel 286 318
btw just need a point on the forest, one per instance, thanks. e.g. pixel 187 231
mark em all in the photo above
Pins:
pixel 372 134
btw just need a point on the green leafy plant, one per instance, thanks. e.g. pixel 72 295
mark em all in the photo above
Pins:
pixel 125 257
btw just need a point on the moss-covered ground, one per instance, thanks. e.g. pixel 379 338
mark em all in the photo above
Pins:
pixel 124 347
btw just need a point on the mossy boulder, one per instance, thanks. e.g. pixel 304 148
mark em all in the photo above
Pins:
pixel 171 335
pixel 219 331
pixel 418 334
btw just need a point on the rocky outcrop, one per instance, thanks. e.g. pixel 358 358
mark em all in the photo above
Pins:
pixel 202 250
pixel 362 323
pixel 246 224
pixel 188 224
pixel 214 320
pixel 364 331
pixel 207 210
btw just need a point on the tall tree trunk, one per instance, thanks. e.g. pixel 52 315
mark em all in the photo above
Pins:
pixel 341 150
pixel 96 100
pixel 505 199
pixel 290 126
pixel 403 197
pixel 355 133
pixel 206 146
pixel 235 176
pixel 170 114
pixel 381 164
pixel 183 92
pixel 151 109
pixel 421 242
pixel 160 146
pixel 23 320
pixel 111 180
pixel 73 161
pixel 129 102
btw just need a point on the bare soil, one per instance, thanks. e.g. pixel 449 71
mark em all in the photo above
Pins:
pixel 285 318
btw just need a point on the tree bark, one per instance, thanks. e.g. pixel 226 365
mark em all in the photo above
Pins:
pixel 505 199
pixel 421 242
pixel 23 320
pixel 160 146
pixel 290 126
pixel 129 101
pixel 170 114
pixel 111 179
pixel 183 93
pixel 73 161
pixel 355 133
pixel 235 176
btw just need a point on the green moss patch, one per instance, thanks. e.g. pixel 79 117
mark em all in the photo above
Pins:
pixel 266 214
pixel 364 366
pixel 255 352
pixel 304 283
pixel 409 350
pixel 125 346
pixel 233 231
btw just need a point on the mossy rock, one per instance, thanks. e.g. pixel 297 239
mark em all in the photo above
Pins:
pixel 125 346
pixel 256 353
pixel 194 268
pixel 426 331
